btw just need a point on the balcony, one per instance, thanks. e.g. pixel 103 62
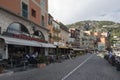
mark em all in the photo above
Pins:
pixel 56 38
pixel 56 29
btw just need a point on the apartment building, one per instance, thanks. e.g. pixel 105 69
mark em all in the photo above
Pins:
pixel 50 27
pixel 23 27
pixel 56 32
pixel 75 37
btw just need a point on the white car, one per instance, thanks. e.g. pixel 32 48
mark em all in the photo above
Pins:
pixel 117 55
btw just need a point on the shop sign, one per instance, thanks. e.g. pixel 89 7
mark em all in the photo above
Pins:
pixel 22 36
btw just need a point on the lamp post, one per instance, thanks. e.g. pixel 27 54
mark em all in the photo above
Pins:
pixel 109 38
pixel 95 41
pixel 57 54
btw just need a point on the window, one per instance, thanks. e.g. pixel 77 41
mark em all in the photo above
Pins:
pixel 42 21
pixel 24 10
pixel 40 34
pixel 33 13
pixel 17 28
pixel 43 4
pixel 49 20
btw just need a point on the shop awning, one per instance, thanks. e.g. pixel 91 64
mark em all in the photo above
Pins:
pixel 63 47
pixel 16 41
pixel 77 49
pixel 48 45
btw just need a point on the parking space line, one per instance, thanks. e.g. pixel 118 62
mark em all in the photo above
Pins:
pixel 77 67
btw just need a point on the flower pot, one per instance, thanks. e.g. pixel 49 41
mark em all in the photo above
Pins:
pixel 1 70
pixel 41 65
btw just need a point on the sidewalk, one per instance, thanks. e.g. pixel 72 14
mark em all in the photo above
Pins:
pixel 17 69
pixel 6 72
pixel 52 67
pixel 53 71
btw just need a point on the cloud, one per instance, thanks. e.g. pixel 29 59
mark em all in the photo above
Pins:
pixel 70 11
pixel 112 16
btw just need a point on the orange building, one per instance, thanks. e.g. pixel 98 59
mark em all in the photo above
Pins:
pixel 24 27
pixel 102 39
pixel 34 10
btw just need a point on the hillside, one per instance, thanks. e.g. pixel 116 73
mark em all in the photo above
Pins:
pixel 98 25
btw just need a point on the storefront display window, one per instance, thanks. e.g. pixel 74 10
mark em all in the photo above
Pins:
pixel 17 51
pixel 39 34
pixel 17 28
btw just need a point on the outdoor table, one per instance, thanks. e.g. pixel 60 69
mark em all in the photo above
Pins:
pixel 24 62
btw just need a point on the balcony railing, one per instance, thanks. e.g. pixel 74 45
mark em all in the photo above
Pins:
pixel 56 29
pixel 56 38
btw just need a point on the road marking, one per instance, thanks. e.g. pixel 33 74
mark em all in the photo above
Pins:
pixel 76 67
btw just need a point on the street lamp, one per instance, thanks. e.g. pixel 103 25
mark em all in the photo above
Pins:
pixel 109 38
pixel 95 41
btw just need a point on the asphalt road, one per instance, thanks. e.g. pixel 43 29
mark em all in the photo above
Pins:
pixel 86 67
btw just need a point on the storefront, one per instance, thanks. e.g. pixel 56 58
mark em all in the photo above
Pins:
pixel 14 45
pixel 19 36
pixel 16 41
pixel 2 49
pixel 14 50
pixel 63 50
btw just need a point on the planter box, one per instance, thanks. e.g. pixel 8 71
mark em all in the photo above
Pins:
pixel 41 65
pixel 1 70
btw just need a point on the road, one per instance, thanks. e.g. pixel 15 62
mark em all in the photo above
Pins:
pixel 86 67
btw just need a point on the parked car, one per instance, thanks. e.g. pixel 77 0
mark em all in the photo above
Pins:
pixel 117 59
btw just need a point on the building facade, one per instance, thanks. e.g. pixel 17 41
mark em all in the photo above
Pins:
pixel 23 26
pixel 64 32
pixel 50 27
pixel 33 10
pixel 75 37
pixel 56 32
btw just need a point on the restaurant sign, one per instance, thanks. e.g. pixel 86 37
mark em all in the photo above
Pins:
pixel 25 37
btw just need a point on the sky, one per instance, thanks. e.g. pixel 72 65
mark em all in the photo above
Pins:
pixel 70 11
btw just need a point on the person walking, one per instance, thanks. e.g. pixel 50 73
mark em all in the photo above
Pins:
pixel 110 54
pixel 111 58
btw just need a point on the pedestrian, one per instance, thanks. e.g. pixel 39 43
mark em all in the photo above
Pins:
pixel 111 58
pixel 110 54
pixel 34 54
pixel 97 52
pixel 34 57
pixel 27 56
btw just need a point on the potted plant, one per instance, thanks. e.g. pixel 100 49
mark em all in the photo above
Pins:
pixel 59 57
pixel 1 69
pixel 41 61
